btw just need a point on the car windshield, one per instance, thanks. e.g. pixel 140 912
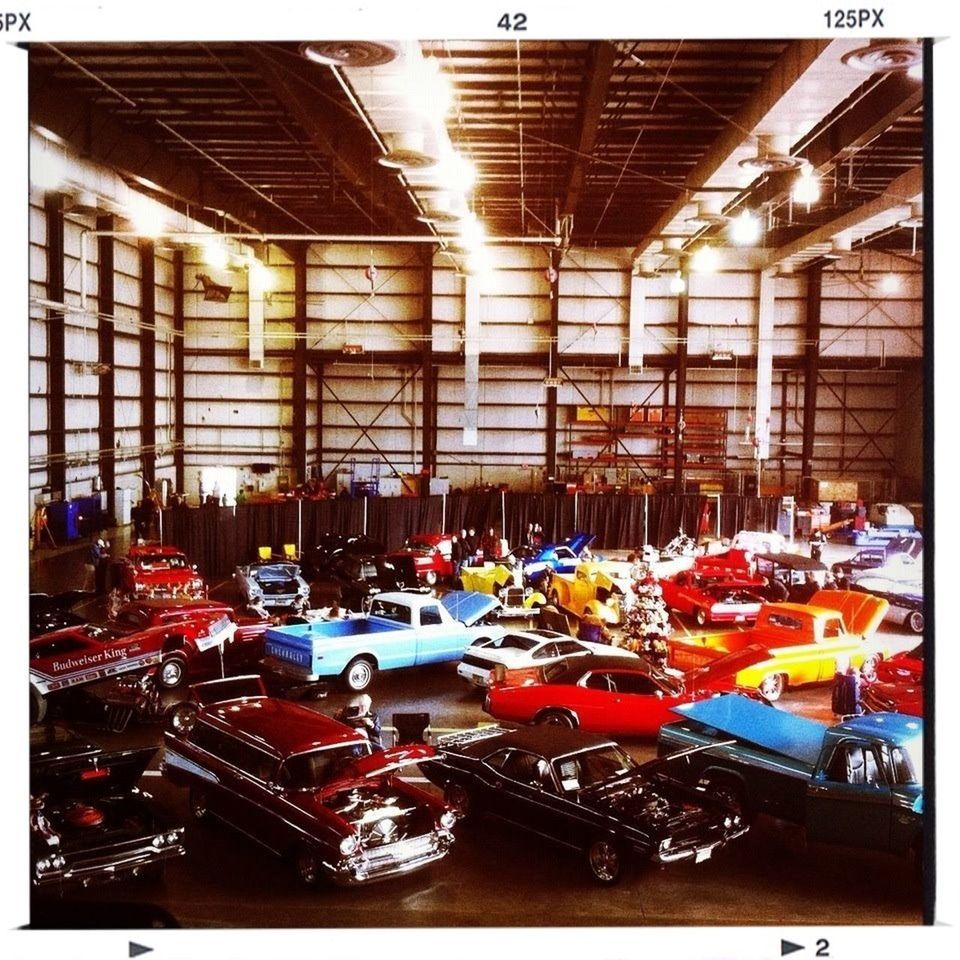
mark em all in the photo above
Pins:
pixel 513 642
pixel 593 768
pixel 904 763
pixel 276 571
pixel 307 771
pixel 160 561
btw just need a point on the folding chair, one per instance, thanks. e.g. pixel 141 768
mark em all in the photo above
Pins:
pixel 411 727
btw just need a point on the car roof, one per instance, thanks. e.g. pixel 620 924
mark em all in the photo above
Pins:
pixel 578 666
pixel 146 551
pixel 548 740
pixel 283 727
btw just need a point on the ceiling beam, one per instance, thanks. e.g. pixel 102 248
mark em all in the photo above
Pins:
pixel 899 193
pixel 347 145
pixel 793 63
pixel 897 96
pixel 95 134
pixel 593 98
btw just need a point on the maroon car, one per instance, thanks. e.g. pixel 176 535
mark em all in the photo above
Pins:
pixel 899 685
pixel 306 787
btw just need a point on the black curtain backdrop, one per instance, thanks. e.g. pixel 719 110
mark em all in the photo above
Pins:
pixel 218 538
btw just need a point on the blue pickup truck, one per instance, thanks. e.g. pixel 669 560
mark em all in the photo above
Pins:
pixel 858 783
pixel 401 630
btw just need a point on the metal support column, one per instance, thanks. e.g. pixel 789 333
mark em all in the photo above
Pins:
pixel 318 374
pixel 179 403
pixel 56 373
pixel 764 386
pixel 106 438
pixel 553 365
pixel 299 399
pixel 428 433
pixel 811 369
pixel 680 394
pixel 148 362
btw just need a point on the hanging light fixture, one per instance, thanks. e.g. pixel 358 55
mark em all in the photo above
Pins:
pixel 705 259
pixel 745 229
pixel 890 283
pixel 677 283
pixel 806 188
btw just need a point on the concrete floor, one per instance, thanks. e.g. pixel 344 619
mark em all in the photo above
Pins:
pixel 497 875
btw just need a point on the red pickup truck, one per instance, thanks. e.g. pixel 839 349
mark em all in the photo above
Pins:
pixel 156 571
pixel 431 554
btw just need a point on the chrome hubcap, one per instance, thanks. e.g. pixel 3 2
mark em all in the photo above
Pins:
pixel 604 860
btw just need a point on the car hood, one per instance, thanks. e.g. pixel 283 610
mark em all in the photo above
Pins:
pixel 724 667
pixel 468 606
pixel 579 541
pixel 91 773
pixel 389 761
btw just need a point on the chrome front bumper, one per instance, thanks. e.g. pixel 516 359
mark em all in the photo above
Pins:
pixel 391 860
pixel 131 863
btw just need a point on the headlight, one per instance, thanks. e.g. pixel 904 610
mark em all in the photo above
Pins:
pixel 159 840
pixel 349 845
pixel 448 819
pixel 728 822
pixel 666 844
pixel 42 866
pixel 173 836
pixel 139 587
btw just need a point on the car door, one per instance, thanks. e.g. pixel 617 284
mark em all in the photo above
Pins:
pixel 849 800
pixel 439 639
pixel 638 705
pixel 526 793
pixel 593 698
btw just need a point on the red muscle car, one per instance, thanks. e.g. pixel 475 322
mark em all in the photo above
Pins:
pixel 84 654
pixel 733 561
pixel 899 685
pixel 307 787
pixel 155 571
pixel 611 694
pixel 721 598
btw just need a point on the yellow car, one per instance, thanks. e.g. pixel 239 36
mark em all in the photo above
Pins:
pixel 805 642
pixel 498 580
pixel 595 586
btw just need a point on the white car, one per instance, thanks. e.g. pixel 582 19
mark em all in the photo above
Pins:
pixel 525 648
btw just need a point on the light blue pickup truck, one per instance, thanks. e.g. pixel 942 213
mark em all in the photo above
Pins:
pixel 401 630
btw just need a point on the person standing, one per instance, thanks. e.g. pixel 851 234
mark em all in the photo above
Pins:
pixel 102 573
pixel 817 539
pixel 471 544
pixel 456 555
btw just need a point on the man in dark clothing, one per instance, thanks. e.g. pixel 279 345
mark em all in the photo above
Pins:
pixel 456 555
pixel 817 540
pixel 777 591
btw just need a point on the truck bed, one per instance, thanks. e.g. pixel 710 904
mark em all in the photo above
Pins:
pixel 760 726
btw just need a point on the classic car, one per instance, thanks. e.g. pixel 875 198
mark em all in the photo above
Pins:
pixel 733 561
pixel 354 579
pixel 898 567
pixel 401 630
pixel 719 598
pixel 869 558
pixel 242 649
pixel 803 641
pixel 759 541
pixel 899 685
pixel 609 694
pixel 272 585
pixel 525 648
pixel 554 557
pixel 53 611
pixel 789 569
pixel 155 571
pixel 600 587
pixel 89 822
pixel 858 783
pixel 431 553
pixel 75 656
pixel 314 559
pixel 504 580
pixel 905 599
pixel 583 791
pixel 306 787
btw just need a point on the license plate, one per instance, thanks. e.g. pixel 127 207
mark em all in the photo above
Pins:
pixel 703 855
pixel 740 618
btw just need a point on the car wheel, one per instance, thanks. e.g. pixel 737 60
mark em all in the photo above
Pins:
pixel 198 804
pixel 459 799
pixel 358 674
pixel 430 578
pixel 307 864
pixel 868 669
pixel 700 615
pixel 605 860
pixel 173 671
pixel 772 686
pixel 915 622
pixel 555 718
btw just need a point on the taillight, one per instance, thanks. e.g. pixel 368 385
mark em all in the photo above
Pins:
pixel 97 774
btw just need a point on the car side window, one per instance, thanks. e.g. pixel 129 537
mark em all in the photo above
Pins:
pixel 599 681
pixel 566 647
pixel 635 683
pixel 546 652
pixel 855 764
pixel 430 616
pixel 215 742
pixel 527 768
pixel 255 762
pixel 498 759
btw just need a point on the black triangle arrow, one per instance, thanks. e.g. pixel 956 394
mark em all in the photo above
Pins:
pixel 785 947
pixel 137 948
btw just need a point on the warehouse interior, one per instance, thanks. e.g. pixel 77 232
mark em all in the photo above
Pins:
pixel 292 288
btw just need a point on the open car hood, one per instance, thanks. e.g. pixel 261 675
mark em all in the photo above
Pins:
pixel 89 774
pixel 578 541
pixel 861 612
pixel 468 606
pixel 726 666
pixel 389 761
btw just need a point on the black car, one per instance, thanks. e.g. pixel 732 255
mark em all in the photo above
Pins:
pixel 49 612
pixel 354 579
pixel 584 791
pixel 315 560
pixel 89 822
